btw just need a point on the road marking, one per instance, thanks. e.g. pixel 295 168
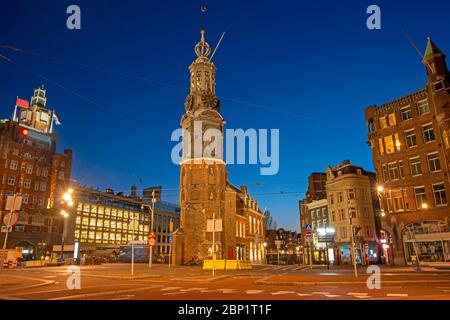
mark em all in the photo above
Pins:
pixel 49 277
pixel 228 290
pixel 206 291
pixel 332 295
pixel 396 294
pixel 357 294
pixel 172 293
pixel 282 292
pixel 127 297
pixel 362 297
pixel 193 289
pixel 304 294
pixel 324 293
pixel 253 291
pixel 170 288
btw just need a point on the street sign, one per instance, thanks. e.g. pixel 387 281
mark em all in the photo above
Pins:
pixel 5 229
pixel 134 224
pixel 210 225
pixel 152 235
pixel 152 242
pixel 14 217
pixel 13 203
pixel 308 227
pixel 278 244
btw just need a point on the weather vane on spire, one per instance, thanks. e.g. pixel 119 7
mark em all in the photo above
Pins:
pixel 203 11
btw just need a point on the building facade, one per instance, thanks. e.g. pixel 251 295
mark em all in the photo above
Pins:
pixel 410 142
pixel 99 222
pixel 322 237
pixel 350 194
pixel 314 196
pixel 205 192
pixel 290 249
pixel 31 166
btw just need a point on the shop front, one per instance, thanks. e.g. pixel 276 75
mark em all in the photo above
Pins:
pixel 427 240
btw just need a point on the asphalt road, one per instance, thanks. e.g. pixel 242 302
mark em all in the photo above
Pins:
pixel 114 282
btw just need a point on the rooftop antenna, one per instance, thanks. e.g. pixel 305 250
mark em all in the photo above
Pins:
pixel 417 49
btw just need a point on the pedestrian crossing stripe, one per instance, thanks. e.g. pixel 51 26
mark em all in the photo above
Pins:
pixel 283 292
pixel 253 291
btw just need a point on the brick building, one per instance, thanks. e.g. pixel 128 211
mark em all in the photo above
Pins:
pixel 351 198
pixel 30 166
pixel 205 192
pixel 410 142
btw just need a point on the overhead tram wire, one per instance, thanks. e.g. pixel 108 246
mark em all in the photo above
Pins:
pixel 140 78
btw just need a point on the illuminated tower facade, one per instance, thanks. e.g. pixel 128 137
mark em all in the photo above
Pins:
pixel 202 169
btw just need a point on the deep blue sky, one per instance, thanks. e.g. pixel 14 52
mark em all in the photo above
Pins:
pixel 307 58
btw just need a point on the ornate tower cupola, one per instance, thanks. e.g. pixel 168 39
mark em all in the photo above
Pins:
pixel 434 59
pixel 203 82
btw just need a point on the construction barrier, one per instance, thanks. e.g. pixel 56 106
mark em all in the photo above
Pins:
pixel 218 265
pixel 244 265
pixel 231 265
pixel 34 263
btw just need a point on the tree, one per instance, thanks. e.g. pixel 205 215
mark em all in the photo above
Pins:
pixel 270 223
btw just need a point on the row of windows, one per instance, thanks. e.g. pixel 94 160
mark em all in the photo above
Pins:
pixel 391 143
pixel 342 213
pixel 344 232
pixel 352 194
pixel 394 171
pixel 40 171
pixel 35 200
pixel 405 114
pixel 396 198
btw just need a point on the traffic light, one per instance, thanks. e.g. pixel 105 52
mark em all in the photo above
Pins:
pixel 24 132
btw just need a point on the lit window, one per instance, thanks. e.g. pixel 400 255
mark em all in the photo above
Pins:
pixel 391 119
pixel 420 196
pixel 389 144
pixel 383 122
pixel 381 146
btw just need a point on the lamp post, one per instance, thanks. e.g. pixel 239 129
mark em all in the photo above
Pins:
pixel 68 201
pixel 150 255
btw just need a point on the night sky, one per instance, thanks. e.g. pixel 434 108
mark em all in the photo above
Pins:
pixel 308 68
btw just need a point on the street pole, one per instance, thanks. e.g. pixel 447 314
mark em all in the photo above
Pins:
pixel 150 256
pixel 353 242
pixel 11 210
pixel 310 254
pixel 214 244
pixel 63 237
pixel 132 247
pixel 413 237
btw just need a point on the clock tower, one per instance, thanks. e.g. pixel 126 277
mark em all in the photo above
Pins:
pixel 202 169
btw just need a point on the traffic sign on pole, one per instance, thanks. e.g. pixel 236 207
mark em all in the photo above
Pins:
pixel 152 242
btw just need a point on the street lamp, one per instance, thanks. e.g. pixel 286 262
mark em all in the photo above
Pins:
pixel 424 205
pixel 67 199
pixel 65 215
